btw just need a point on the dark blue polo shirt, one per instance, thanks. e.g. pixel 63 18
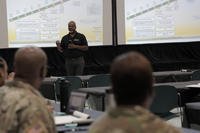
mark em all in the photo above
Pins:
pixel 78 39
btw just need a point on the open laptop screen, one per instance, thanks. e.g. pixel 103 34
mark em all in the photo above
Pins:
pixel 76 102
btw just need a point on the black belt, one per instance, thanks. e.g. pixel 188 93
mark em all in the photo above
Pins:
pixel 74 58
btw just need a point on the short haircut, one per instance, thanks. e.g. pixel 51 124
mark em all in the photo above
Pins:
pixel 2 63
pixel 29 62
pixel 132 81
pixel 3 71
pixel 72 22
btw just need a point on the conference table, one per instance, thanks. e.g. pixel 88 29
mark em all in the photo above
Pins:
pixel 102 91
pixel 84 129
pixel 95 115
pixel 68 128
pixel 160 77
pixel 186 93
pixel 172 76
pixel 177 75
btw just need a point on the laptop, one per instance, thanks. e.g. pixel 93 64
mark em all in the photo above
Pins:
pixel 76 102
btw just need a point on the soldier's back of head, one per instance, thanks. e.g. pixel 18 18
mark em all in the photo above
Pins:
pixel 30 65
pixel 132 80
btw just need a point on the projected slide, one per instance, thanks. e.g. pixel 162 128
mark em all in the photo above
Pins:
pixel 42 22
pixel 150 21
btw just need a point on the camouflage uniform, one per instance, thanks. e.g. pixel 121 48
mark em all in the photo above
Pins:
pixel 135 120
pixel 24 110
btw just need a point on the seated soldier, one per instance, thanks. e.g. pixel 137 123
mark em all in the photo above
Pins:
pixel 132 82
pixel 3 71
pixel 22 108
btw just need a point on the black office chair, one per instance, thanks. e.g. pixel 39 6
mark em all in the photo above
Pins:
pixel 48 88
pixel 94 101
pixel 74 81
pixel 192 114
pixel 99 80
pixel 166 99
pixel 195 75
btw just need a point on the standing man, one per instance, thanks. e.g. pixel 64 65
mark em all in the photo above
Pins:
pixel 73 45
pixel 22 108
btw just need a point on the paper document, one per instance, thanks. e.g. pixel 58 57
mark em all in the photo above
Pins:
pixel 75 118
pixel 81 115
pixel 59 120
pixel 193 86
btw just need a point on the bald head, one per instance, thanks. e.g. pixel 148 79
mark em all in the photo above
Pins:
pixel 71 27
pixel 131 79
pixel 30 64
pixel 72 22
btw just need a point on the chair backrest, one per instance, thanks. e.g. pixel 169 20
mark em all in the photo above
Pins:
pixel 99 80
pixel 166 98
pixel 192 114
pixel 48 88
pixel 195 75
pixel 75 82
